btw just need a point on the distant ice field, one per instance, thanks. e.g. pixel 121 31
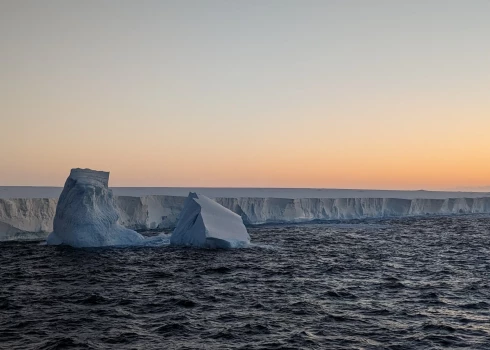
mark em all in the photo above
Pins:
pixel 54 192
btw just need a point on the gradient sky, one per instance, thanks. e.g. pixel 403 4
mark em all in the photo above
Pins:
pixel 331 94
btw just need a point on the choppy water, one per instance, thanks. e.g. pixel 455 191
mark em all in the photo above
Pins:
pixel 390 284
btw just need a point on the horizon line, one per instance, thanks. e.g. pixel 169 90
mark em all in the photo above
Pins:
pixel 482 189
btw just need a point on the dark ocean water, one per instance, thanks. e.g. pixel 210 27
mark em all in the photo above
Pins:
pixel 378 284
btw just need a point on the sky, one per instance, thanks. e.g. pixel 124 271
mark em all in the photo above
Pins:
pixel 320 94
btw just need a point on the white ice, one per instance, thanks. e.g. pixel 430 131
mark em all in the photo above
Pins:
pixel 86 215
pixel 19 217
pixel 204 223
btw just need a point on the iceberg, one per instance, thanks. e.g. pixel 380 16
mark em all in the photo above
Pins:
pixel 204 223
pixel 86 214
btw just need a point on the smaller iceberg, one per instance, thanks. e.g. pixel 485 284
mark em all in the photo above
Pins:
pixel 203 223
pixel 86 214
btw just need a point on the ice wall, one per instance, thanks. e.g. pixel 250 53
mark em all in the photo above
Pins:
pixel 270 210
pixel 19 217
pixel 149 212
pixel 155 212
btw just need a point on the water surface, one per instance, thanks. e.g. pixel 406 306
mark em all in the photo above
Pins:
pixel 413 283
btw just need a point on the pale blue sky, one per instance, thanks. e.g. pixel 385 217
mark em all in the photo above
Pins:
pixel 254 93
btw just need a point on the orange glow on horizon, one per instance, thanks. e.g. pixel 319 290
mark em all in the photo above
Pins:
pixel 186 99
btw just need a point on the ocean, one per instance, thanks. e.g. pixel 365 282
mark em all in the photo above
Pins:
pixel 408 283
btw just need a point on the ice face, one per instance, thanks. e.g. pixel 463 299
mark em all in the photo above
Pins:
pixel 21 217
pixel 204 223
pixel 35 215
pixel 86 214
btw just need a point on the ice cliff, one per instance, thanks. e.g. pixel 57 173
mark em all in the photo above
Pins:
pixel 20 216
pixel 26 218
pixel 86 214
pixel 277 210
pixel 149 212
pixel 204 223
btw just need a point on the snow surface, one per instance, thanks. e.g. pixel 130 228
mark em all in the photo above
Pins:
pixel 203 223
pixel 86 214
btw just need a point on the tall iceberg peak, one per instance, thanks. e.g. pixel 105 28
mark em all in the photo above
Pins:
pixel 86 215
pixel 204 223
pixel 90 176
